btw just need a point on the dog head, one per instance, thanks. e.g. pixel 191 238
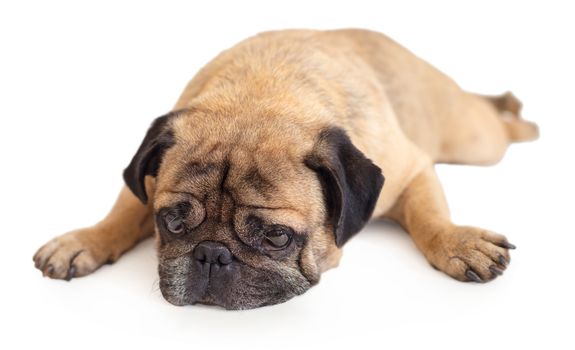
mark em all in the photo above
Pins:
pixel 249 213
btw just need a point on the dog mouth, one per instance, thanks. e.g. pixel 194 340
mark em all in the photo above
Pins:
pixel 213 286
pixel 184 281
pixel 211 283
pixel 233 287
pixel 214 270
pixel 212 275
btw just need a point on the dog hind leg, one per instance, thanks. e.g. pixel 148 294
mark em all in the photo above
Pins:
pixel 480 128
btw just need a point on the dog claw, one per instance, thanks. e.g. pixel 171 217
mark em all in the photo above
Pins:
pixel 473 276
pixel 503 261
pixel 49 270
pixel 507 245
pixel 495 270
pixel 71 273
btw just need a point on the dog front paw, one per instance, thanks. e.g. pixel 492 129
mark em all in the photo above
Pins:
pixel 470 254
pixel 74 254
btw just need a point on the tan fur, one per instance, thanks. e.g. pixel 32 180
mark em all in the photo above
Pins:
pixel 265 100
pixel 89 248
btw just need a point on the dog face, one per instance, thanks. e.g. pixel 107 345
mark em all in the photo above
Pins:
pixel 249 214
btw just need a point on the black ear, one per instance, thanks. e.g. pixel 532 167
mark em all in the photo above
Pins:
pixel 351 182
pixel 147 159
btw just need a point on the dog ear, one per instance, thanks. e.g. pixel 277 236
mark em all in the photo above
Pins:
pixel 147 159
pixel 351 182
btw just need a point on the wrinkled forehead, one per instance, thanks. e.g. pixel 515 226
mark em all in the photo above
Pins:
pixel 254 172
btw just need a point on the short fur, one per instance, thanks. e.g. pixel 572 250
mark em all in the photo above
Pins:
pixel 287 133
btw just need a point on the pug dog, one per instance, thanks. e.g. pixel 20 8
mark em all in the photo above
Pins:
pixel 275 155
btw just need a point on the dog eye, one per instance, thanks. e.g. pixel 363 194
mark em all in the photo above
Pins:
pixel 174 222
pixel 277 239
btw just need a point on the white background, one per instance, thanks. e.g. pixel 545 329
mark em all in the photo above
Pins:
pixel 80 83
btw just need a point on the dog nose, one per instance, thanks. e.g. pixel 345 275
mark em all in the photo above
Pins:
pixel 212 253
